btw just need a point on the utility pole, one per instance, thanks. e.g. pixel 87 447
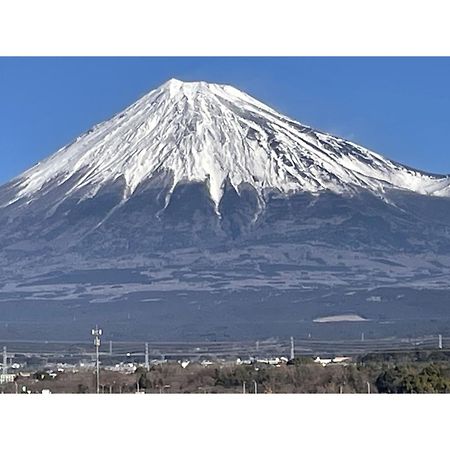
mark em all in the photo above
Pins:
pixel 292 348
pixel 440 342
pixel 256 386
pixel 243 387
pixel 5 361
pixel 362 337
pixel 368 387
pixel 110 348
pixel 97 332
pixel 257 347
pixel 147 365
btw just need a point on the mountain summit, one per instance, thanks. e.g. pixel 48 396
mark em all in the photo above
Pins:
pixel 202 132
pixel 201 213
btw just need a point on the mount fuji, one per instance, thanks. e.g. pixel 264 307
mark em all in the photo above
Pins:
pixel 200 212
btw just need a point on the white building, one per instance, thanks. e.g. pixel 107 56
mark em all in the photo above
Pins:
pixel 335 360
pixel 7 378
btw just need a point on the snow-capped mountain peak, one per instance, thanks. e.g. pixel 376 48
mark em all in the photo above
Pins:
pixel 198 131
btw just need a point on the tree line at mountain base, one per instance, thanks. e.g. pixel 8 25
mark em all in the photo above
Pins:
pixel 393 373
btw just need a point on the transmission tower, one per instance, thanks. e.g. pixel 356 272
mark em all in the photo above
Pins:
pixel 97 332
pixel 5 361
pixel 147 365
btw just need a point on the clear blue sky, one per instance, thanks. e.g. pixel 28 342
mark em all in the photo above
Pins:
pixel 399 107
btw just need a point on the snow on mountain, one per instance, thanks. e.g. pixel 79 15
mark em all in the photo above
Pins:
pixel 215 133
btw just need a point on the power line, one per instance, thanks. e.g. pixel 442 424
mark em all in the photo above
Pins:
pixel 231 349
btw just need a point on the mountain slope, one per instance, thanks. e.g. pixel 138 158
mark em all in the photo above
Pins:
pixel 199 212
pixel 212 133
